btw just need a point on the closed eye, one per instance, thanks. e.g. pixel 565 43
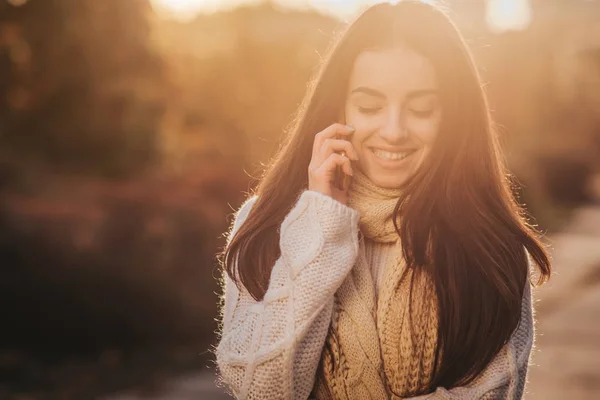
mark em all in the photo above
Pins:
pixel 422 113
pixel 369 110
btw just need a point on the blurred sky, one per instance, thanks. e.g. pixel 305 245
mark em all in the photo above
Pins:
pixel 501 14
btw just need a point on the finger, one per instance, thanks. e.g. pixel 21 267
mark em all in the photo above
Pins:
pixel 341 146
pixel 331 146
pixel 332 131
pixel 348 167
pixel 333 161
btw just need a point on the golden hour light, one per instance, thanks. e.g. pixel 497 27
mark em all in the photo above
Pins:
pixel 501 15
pixel 504 15
pixel 312 199
pixel 187 9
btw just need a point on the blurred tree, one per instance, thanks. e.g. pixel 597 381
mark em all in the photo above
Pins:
pixel 241 75
pixel 80 86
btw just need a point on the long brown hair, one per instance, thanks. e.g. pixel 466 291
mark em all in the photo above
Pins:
pixel 460 222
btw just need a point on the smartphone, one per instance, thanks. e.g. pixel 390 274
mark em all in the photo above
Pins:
pixel 341 178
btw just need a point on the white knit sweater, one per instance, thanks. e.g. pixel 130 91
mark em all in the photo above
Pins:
pixel 271 349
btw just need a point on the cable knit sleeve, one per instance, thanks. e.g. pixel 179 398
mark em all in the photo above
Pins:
pixel 505 377
pixel 271 349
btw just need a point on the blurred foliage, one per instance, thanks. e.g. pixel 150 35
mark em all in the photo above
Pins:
pixel 126 142
pixel 238 78
pixel 81 87
pixel 110 284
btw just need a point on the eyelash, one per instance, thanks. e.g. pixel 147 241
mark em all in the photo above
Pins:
pixel 422 114
pixel 369 110
pixel 374 110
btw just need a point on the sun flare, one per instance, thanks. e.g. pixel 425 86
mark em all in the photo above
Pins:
pixel 501 15
pixel 187 9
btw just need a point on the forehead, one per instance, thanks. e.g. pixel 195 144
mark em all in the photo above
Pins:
pixel 396 70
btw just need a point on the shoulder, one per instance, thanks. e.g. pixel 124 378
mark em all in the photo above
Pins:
pixel 245 208
pixel 242 212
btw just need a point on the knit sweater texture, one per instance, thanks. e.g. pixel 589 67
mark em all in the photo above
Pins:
pixel 379 347
pixel 271 349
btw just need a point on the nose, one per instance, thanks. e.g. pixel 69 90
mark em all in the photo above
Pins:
pixel 394 129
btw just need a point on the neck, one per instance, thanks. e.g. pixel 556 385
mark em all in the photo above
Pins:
pixel 376 206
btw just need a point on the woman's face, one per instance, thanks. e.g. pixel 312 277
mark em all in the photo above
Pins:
pixel 393 104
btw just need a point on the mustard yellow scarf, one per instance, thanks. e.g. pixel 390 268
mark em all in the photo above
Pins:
pixel 374 349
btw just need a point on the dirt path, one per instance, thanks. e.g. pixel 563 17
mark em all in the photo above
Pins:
pixel 566 361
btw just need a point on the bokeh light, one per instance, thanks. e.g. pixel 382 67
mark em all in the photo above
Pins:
pixel 501 15
pixel 504 15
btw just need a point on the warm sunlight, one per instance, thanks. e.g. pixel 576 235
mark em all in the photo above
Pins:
pixel 187 9
pixel 501 15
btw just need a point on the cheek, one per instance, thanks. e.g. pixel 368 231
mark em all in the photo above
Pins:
pixel 364 125
pixel 357 119
pixel 424 130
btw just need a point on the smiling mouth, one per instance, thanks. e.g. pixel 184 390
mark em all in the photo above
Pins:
pixel 392 156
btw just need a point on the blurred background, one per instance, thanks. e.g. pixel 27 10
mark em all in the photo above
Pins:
pixel 131 130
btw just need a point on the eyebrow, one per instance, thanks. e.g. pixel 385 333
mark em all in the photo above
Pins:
pixel 411 95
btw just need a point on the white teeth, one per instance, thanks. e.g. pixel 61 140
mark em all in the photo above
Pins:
pixel 390 156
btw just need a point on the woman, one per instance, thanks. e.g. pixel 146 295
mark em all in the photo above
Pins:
pixel 414 278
